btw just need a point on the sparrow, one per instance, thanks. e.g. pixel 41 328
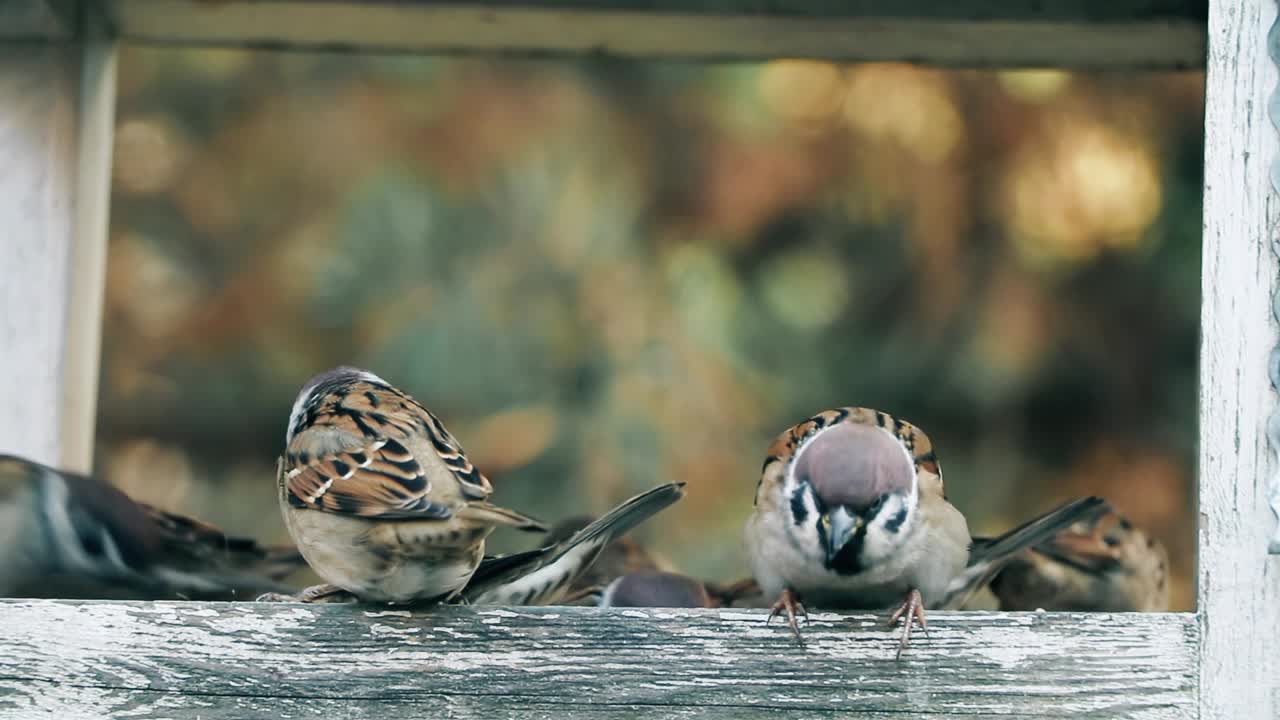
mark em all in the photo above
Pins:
pixel 743 593
pixel 379 497
pixel 622 556
pixel 653 588
pixel 63 534
pixel 551 574
pixel 1106 565
pixel 851 513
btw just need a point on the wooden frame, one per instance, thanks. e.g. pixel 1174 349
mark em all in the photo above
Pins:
pixel 211 660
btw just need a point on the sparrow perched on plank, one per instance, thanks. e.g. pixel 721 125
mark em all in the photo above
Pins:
pixel 653 588
pixel 851 513
pixel 548 575
pixel 380 498
pixel 1106 565
pixel 68 535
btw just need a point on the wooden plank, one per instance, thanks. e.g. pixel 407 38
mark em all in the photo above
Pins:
pixel 37 19
pixel 1239 591
pixel 56 120
pixel 976 33
pixel 224 660
pixel 87 264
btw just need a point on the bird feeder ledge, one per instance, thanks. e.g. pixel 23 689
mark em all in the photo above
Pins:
pixel 237 660
pixel 210 660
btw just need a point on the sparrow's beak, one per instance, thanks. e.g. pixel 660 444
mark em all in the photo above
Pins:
pixel 840 525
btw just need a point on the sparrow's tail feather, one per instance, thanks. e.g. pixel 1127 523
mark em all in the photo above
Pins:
pixel 540 577
pixel 987 556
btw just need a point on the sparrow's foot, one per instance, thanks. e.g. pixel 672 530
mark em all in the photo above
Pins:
pixel 911 610
pixel 790 603
pixel 324 593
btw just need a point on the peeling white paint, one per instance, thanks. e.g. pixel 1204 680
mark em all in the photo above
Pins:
pixel 270 658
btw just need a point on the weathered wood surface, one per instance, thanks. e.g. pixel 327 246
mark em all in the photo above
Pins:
pixel 1076 33
pixel 1239 589
pixel 56 119
pixel 37 175
pixel 237 660
pixel 87 263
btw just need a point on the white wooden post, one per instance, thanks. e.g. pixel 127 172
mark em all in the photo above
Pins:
pixel 1239 589
pixel 57 100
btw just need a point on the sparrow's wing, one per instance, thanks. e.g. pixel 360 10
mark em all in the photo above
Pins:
pixel 354 455
pixel 106 526
pixel 101 543
pixel 986 557
pixel 1090 547
pixel 1106 565
pixel 378 479
pixel 539 577
pixel 215 562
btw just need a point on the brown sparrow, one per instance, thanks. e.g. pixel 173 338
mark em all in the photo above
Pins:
pixel 69 535
pixel 1106 565
pixel 653 588
pixel 380 498
pixel 551 574
pixel 851 513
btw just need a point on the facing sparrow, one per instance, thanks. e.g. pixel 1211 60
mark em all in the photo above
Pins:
pixel 851 513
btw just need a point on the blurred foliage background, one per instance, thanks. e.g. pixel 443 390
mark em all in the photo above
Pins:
pixel 605 275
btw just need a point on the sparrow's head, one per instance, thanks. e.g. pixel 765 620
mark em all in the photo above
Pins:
pixel 16 475
pixel 860 481
pixel 650 588
pixel 314 391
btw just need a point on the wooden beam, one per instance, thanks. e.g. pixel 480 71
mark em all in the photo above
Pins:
pixel 56 119
pixel 87 265
pixel 978 33
pixel 232 660
pixel 1239 582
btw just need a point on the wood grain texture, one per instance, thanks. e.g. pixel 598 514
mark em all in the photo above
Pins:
pixel 225 660
pixel 87 264
pixel 1273 425
pixel 974 33
pixel 1239 590
pixel 38 90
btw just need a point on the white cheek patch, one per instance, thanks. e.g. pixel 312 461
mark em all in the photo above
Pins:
pixel 892 527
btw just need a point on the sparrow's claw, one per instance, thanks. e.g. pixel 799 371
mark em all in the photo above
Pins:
pixel 789 602
pixel 912 611
pixel 316 593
